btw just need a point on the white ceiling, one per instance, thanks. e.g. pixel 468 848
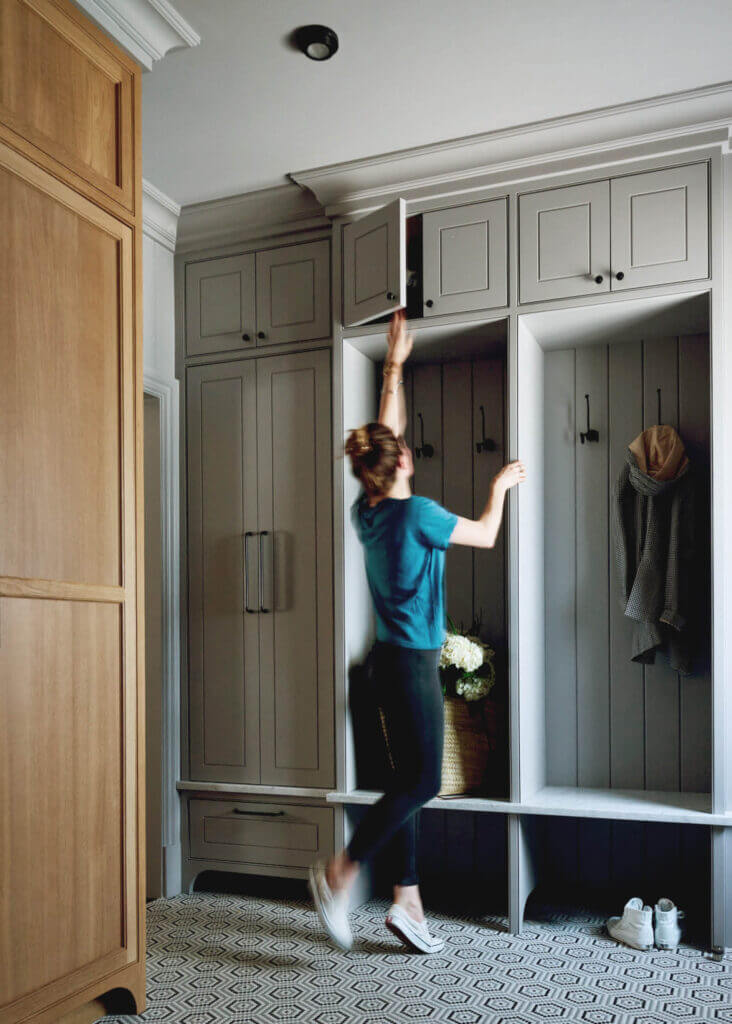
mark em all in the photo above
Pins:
pixel 243 109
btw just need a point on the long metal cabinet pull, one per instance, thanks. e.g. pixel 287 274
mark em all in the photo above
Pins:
pixel 262 535
pixel 247 535
pixel 259 814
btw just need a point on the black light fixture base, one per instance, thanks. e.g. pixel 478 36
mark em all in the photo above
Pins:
pixel 318 42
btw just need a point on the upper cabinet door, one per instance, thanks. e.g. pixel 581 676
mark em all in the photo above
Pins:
pixel 660 227
pixel 564 242
pixel 375 264
pixel 220 305
pixel 465 258
pixel 293 293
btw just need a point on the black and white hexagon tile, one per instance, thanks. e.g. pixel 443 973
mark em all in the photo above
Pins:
pixel 242 960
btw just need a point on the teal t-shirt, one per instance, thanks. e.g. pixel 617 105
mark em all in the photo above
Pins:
pixel 404 541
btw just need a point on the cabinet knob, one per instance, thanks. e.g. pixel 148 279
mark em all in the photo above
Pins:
pixel 429 303
pixel 391 296
pixel 599 279
pixel 245 337
pixel 261 334
pixel 620 275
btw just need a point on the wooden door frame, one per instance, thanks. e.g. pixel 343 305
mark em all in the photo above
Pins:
pixel 167 394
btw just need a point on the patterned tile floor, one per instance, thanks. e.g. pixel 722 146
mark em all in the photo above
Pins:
pixel 259 959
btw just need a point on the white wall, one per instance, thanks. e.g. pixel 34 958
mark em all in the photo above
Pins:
pixel 160 217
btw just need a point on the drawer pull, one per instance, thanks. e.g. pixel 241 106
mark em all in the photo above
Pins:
pixel 259 814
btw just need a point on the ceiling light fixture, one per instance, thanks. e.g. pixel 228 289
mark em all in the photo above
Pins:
pixel 318 42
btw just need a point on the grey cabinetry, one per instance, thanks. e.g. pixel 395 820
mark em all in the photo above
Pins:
pixel 660 227
pixel 375 264
pixel 222 511
pixel 220 307
pixel 465 254
pixel 293 293
pixel 260 571
pixel 638 230
pixel 564 242
pixel 269 297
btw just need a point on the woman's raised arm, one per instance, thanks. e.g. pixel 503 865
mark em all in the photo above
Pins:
pixel 393 409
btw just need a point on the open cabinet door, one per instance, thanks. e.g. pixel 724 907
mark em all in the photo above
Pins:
pixel 374 264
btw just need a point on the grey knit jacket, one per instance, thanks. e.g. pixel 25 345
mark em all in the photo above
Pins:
pixel 654 553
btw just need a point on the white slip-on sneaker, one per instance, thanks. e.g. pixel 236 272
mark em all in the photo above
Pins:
pixel 667 929
pixel 332 907
pixel 414 934
pixel 635 927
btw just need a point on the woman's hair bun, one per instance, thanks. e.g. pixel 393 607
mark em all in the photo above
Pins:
pixel 374 453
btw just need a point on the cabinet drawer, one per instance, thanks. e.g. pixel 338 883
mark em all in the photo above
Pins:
pixel 250 832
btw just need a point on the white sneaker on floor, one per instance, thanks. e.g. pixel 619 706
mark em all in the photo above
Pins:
pixel 414 934
pixel 332 907
pixel 635 927
pixel 667 929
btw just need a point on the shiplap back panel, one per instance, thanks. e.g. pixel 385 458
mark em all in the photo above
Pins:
pixel 636 726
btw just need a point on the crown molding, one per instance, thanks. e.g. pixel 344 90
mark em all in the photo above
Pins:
pixel 159 216
pixel 678 120
pixel 264 213
pixel 146 29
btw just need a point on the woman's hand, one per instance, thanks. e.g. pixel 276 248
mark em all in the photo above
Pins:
pixel 512 473
pixel 399 342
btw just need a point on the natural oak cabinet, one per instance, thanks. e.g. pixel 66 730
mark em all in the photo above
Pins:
pixel 269 297
pixel 627 232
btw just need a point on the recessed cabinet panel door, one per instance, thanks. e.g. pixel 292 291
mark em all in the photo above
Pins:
pixel 660 227
pixel 465 258
pixel 296 623
pixel 220 305
pixel 564 242
pixel 375 265
pixel 293 293
pixel 223 573
pixel 66 91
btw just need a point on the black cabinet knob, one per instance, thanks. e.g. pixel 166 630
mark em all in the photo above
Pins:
pixel 261 334
pixel 391 296
pixel 599 279
pixel 429 303
pixel 245 337
pixel 620 275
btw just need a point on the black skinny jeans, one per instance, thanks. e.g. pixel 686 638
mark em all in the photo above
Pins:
pixel 407 685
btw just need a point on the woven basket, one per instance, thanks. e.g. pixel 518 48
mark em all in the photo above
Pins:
pixel 466 749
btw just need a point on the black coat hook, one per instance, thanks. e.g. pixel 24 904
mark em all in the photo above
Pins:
pixel 424 449
pixel 658 396
pixel 590 434
pixel 487 444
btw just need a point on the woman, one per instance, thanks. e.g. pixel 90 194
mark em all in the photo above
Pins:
pixel 404 538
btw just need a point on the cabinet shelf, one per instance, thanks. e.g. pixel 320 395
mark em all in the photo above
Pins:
pixel 577 802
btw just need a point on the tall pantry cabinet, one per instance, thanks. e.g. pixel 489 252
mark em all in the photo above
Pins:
pixel 71 559
pixel 259 561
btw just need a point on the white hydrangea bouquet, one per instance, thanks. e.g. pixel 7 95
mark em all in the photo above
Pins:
pixel 467 667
